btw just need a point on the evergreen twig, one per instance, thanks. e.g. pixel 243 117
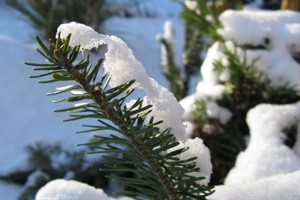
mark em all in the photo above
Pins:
pixel 148 149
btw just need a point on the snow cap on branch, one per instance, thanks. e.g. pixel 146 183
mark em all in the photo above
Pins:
pixel 122 66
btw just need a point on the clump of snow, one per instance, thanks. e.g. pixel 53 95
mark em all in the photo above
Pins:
pixel 119 59
pixel 213 110
pixel 205 90
pixel 85 36
pixel 281 186
pixel 187 103
pixel 189 128
pixel 208 72
pixel 266 154
pixel 191 4
pixel 62 189
pixel 201 152
pixel 253 27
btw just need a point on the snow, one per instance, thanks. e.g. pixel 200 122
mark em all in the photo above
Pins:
pixel 187 103
pixel 266 154
pixel 252 27
pixel 209 91
pixel 208 73
pixel 191 4
pixel 213 110
pixel 189 128
pixel 61 189
pixel 276 187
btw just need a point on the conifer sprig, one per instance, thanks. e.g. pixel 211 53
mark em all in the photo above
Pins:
pixel 139 145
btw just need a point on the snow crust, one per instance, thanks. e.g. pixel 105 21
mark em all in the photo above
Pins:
pixel 281 186
pixel 70 190
pixel 266 154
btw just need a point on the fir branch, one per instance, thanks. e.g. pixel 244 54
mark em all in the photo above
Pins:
pixel 145 147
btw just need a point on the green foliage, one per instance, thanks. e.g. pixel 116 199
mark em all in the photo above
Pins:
pixel 121 130
pixel 47 15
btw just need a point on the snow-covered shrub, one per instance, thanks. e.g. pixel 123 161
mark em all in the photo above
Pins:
pixel 254 60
